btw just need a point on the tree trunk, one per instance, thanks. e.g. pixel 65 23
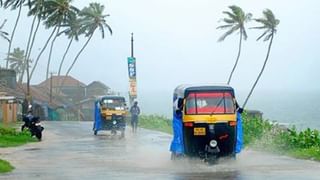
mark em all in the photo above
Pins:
pixel 27 50
pixel 13 32
pixel 33 38
pixel 264 65
pixel 75 59
pixel 236 63
pixel 50 53
pixel 64 55
pixel 41 52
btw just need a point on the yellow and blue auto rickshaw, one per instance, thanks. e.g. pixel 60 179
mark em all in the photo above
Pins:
pixel 206 122
pixel 110 114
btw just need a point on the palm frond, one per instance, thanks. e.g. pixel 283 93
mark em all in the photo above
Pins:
pixel 225 26
pixel 268 37
pixel 233 29
pixel 245 35
pixel 263 34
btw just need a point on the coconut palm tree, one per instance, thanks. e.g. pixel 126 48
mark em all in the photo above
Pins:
pixel 269 25
pixel 4 34
pixel 92 18
pixel 235 22
pixel 41 9
pixel 14 4
pixel 17 62
pixel 59 12
pixel 72 32
pixel 37 10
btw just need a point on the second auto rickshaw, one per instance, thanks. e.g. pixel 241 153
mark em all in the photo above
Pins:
pixel 110 114
pixel 205 122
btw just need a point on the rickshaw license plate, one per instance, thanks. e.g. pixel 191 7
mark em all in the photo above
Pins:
pixel 199 131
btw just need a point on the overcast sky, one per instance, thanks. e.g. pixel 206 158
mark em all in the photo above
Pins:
pixel 176 42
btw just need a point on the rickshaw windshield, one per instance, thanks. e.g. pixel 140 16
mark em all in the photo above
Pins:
pixel 210 103
pixel 117 104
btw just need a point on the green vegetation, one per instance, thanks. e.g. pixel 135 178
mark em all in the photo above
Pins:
pixel 5 166
pixel 261 135
pixel 268 136
pixel 156 122
pixel 10 137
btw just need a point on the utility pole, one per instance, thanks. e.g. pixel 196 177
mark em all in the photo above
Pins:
pixel 132 45
pixel 51 73
pixel 132 75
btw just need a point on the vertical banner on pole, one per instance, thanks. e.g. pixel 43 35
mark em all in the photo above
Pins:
pixel 132 78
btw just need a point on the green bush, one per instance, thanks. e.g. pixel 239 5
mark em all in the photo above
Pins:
pixel 265 135
pixel 11 137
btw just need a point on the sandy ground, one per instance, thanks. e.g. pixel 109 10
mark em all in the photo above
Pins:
pixel 69 150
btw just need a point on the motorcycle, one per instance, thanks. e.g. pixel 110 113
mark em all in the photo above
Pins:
pixel 34 125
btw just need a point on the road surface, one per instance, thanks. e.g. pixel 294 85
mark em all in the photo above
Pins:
pixel 69 150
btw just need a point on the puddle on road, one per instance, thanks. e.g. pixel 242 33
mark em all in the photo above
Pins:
pixel 32 149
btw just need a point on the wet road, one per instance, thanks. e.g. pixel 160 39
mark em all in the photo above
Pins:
pixel 69 150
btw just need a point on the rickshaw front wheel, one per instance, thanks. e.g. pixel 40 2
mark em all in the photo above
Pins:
pixel 95 132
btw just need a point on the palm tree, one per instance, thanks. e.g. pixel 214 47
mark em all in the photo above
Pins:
pixel 14 4
pixel 269 25
pixel 72 32
pixel 17 62
pixel 59 12
pixel 4 34
pixel 93 18
pixel 234 22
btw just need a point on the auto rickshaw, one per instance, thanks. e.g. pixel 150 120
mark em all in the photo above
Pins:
pixel 110 114
pixel 205 122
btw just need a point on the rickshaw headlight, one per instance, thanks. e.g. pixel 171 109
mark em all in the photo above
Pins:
pixel 213 143
pixel 114 122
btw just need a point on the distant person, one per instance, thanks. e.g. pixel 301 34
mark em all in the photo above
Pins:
pixel 135 111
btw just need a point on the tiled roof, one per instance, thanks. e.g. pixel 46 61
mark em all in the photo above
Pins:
pixel 57 81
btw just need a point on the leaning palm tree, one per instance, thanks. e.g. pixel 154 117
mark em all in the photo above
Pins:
pixel 14 4
pixel 269 25
pixel 93 18
pixel 72 31
pixel 59 12
pixel 4 34
pixel 235 22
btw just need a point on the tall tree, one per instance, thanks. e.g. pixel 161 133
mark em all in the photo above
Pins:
pixel 17 62
pixel 92 18
pixel 72 31
pixel 269 25
pixel 36 9
pixel 4 34
pixel 234 22
pixel 59 12
pixel 14 4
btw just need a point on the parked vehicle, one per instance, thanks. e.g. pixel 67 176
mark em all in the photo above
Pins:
pixel 110 114
pixel 33 124
pixel 205 122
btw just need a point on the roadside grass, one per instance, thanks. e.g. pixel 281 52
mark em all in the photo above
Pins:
pixel 5 166
pixel 259 134
pixel 10 137
pixel 156 122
